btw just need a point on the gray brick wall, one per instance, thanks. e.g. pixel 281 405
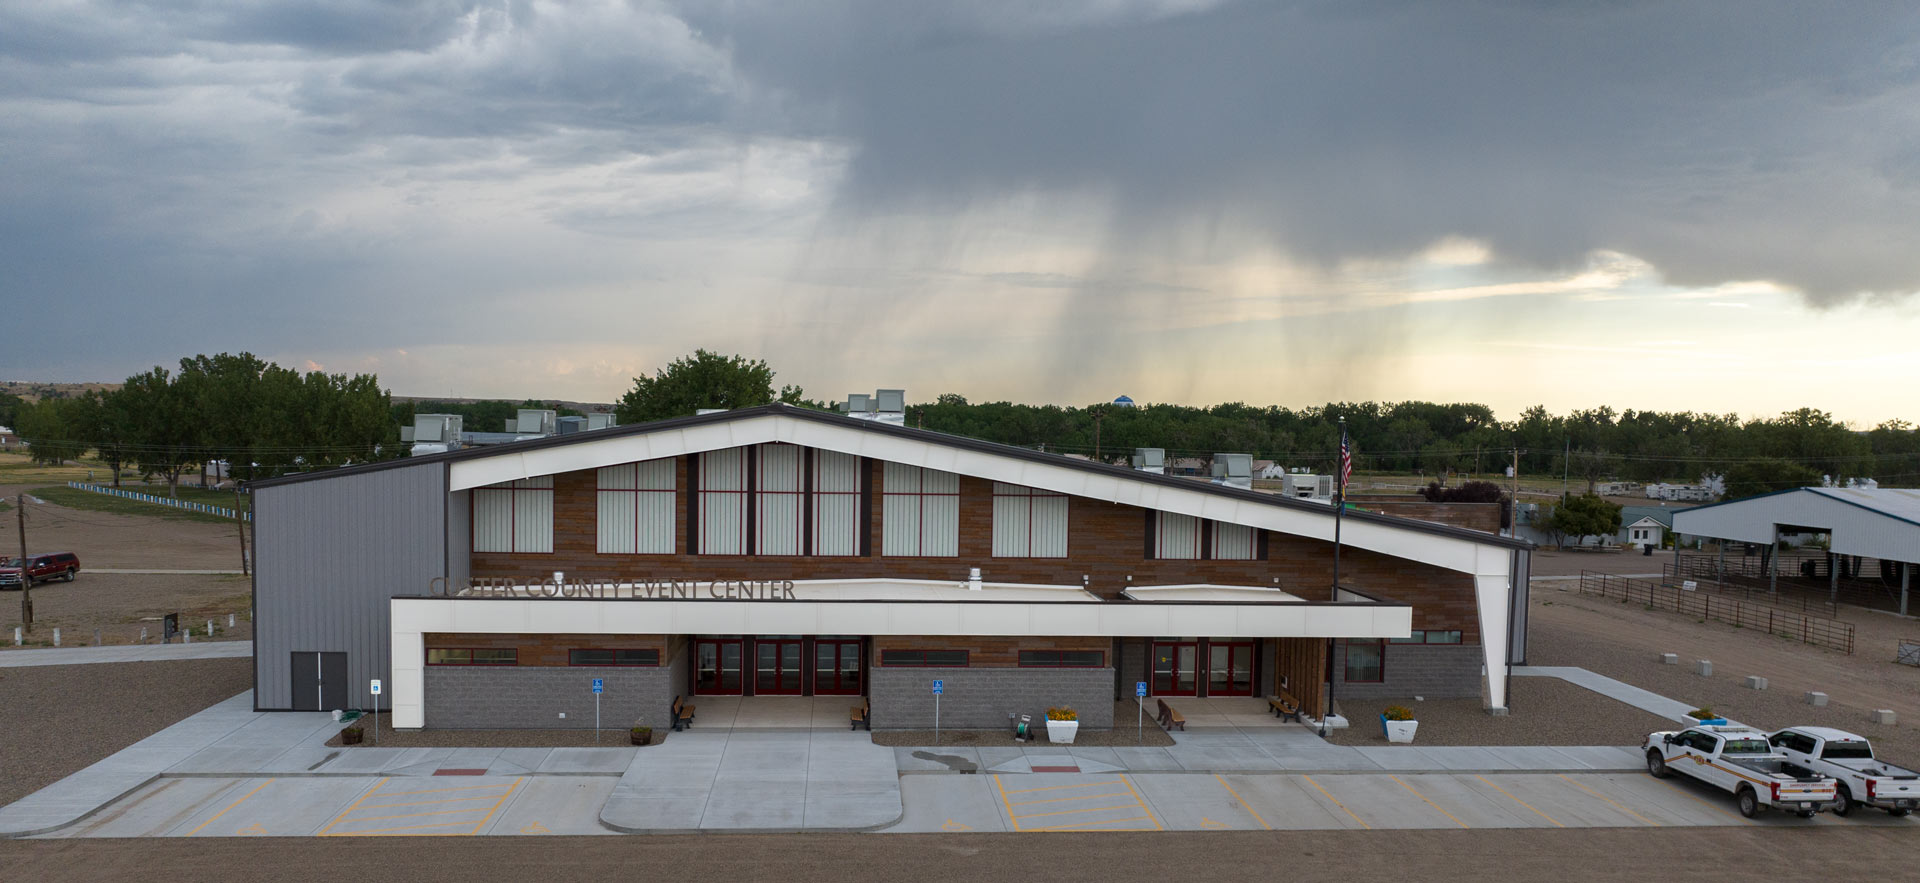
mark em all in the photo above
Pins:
pixel 1435 671
pixel 532 697
pixel 1133 664
pixel 979 698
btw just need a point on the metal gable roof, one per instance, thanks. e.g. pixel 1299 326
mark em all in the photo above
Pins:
pixel 915 434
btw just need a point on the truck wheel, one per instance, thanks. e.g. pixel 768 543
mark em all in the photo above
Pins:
pixel 69 576
pixel 1844 804
pixel 1896 813
pixel 1749 801
pixel 1656 765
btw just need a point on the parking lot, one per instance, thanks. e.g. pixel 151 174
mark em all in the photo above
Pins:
pixel 1198 802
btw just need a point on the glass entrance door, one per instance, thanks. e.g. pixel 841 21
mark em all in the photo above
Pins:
pixel 777 667
pixel 836 668
pixel 1229 669
pixel 1175 668
pixel 716 667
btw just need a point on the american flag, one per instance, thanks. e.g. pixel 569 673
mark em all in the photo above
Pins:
pixel 1346 463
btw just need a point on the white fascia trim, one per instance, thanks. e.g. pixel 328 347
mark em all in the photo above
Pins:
pixel 1494 597
pixel 1451 553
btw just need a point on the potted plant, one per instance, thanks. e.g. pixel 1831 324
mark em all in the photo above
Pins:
pixel 352 735
pixel 1705 717
pixel 1398 723
pixel 640 733
pixel 1062 724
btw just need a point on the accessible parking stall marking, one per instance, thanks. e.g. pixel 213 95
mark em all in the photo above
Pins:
pixel 1066 804
pixel 424 812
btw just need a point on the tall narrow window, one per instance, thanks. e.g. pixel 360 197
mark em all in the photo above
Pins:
pixel 779 489
pixel 1176 537
pixel 835 510
pixel 920 512
pixel 1233 542
pixel 1028 523
pixel 723 502
pixel 637 508
pixel 514 516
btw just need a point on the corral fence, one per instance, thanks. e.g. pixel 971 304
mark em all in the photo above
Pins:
pixel 1818 631
pixel 1805 580
pixel 188 505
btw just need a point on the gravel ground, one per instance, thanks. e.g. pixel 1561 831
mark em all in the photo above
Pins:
pixel 1544 711
pixel 58 719
pixel 611 737
pixel 1122 736
pixel 1624 641
pixel 120 604
pixel 107 539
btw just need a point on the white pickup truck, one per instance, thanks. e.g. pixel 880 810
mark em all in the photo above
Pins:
pixel 1742 761
pixel 1862 779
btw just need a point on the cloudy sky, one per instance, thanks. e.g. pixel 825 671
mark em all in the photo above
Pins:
pixel 1694 206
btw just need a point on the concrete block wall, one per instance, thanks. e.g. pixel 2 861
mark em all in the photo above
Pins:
pixel 478 697
pixel 979 698
pixel 1133 664
pixel 1435 671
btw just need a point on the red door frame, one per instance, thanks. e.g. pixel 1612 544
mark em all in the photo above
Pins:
pixel 740 654
pixel 832 682
pixel 780 673
pixel 1173 673
pixel 1242 649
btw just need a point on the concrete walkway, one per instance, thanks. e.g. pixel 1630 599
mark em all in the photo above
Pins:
pixel 128 653
pixel 740 781
pixel 1645 700
pixel 143 570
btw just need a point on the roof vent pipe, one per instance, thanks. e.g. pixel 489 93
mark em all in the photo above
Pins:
pixel 973 579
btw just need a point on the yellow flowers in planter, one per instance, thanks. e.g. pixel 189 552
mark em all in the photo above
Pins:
pixel 1062 713
pixel 1398 713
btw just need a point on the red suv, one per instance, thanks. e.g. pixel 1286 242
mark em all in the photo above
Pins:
pixel 40 569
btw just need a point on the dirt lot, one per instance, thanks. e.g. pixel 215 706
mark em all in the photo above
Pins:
pixel 1545 711
pixel 120 604
pixel 1549 562
pixel 1625 641
pixel 109 540
pixel 58 719
pixel 1124 733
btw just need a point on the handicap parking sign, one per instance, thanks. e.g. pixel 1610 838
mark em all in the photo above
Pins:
pixel 598 685
pixel 937 685
pixel 1140 688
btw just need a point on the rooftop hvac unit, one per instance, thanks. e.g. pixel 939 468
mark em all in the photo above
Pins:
pixel 534 421
pixel 890 401
pixel 406 434
pixel 1233 470
pixel 600 421
pixel 436 427
pixel 859 403
pixel 1308 487
pixel 1152 460
pixel 571 425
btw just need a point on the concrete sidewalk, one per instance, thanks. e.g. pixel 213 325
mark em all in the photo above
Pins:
pixel 1645 700
pixel 128 653
pixel 760 781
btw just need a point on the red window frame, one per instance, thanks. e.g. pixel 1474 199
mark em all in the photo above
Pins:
pixel 919 496
pixel 671 493
pixel 1031 493
pixel 616 651
pixel 513 659
pixel 966 658
pixel 513 514
pixel 745 493
pixel 799 494
pixel 1346 661
pixel 815 496
pixel 1060 657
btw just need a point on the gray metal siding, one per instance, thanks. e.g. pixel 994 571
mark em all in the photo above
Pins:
pixel 330 555
pixel 459 536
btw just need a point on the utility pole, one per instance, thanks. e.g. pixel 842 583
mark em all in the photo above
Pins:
pixel 26 580
pixel 1096 435
pixel 1566 467
pixel 1513 501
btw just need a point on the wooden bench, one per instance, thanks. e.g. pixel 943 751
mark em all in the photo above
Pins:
pixel 1169 718
pixel 861 716
pixel 1284 706
pixel 682 714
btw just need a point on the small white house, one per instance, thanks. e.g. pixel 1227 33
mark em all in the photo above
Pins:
pixel 1645 532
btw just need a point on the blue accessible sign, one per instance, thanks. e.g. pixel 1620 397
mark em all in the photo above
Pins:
pixel 938 686
pixel 598 685
pixel 1140 688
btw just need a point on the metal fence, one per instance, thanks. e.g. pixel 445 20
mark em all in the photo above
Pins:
pixel 1818 631
pixel 188 505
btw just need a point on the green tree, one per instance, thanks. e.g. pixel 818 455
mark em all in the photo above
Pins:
pixel 703 380
pixel 1586 515
pixel 1764 475
pixel 102 421
pixel 48 426
pixel 161 409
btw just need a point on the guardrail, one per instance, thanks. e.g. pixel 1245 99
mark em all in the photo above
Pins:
pixel 1817 631
pixel 188 505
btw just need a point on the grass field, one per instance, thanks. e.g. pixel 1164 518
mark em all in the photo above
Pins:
pixel 74 498
pixel 20 469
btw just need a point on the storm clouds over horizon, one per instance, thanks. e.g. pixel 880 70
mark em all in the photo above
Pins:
pixel 1712 207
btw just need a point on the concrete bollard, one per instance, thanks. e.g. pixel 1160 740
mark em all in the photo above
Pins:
pixel 143 634
pixel 1670 658
pixel 56 637
pixel 1703 667
pixel 209 628
pixel 1817 699
pixel 230 622
pixel 16 636
pixel 1883 716
pixel 1756 682
pixel 186 636
pixel 96 637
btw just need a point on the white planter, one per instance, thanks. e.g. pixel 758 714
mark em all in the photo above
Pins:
pixel 1062 732
pixel 1401 731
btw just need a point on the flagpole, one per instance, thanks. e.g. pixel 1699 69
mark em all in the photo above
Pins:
pixel 1339 506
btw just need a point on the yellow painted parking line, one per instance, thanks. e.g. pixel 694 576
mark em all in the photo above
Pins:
pixel 431 802
pixel 1012 816
pixel 1443 811
pixel 1604 797
pixel 1143 804
pixel 496 807
pixel 1243 802
pixel 383 832
pixel 1336 802
pixel 1556 822
pixel 1084 825
pixel 209 821
pixel 1060 799
pixel 1053 787
pixel 416 815
pixel 444 790
pixel 356 805
pixel 1685 790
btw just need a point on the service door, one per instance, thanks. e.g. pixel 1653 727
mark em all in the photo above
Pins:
pixel 319 681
